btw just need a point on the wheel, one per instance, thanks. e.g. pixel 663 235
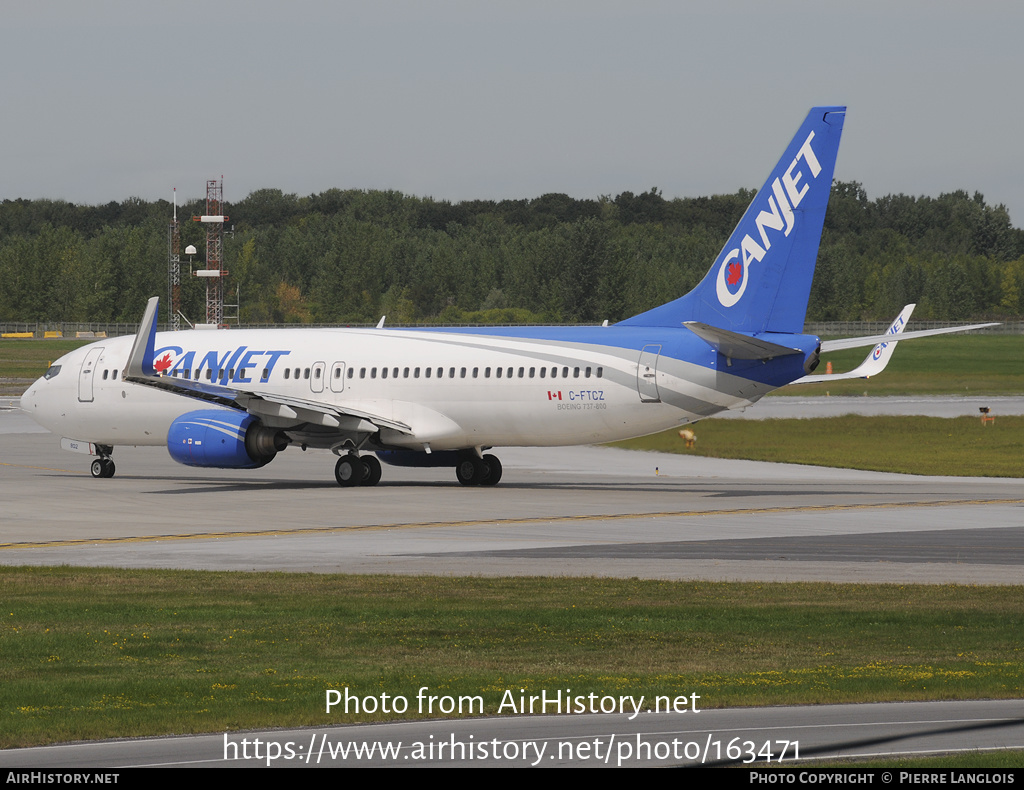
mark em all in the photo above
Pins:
pixel 466 471
pixel 492 473
pixel 371 470
pixel 349 470
pixel 102 467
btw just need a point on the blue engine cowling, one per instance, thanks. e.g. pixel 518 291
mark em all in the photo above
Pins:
pixel 223 439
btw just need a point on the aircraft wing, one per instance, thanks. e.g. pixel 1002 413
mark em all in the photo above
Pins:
pixel 140 370
pixel 875 362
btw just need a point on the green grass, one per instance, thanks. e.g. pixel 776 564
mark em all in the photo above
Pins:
pixel 93 653
pixel 912 445
pixel 29 359
pixel 946 365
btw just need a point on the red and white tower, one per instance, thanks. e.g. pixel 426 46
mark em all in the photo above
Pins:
pixel 214 272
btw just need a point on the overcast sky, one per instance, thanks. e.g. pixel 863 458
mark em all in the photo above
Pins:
pixel 458 100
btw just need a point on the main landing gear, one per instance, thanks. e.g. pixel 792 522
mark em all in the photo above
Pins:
pixel 353 470
pixel 484 471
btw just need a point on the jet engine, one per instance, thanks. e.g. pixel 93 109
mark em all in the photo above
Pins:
pixel 223 439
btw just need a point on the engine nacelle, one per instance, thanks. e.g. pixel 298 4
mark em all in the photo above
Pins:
pixel 223 439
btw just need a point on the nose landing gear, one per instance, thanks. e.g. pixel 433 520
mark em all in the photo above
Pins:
pixel 102 467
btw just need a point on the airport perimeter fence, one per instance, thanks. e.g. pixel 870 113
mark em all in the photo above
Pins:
pixel 65 329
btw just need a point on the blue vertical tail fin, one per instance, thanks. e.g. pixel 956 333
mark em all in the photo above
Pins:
pixel 761 280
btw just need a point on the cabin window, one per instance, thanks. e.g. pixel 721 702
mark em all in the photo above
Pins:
pixel 451 373
pixel 497 372
pixel 588 372
pixel 394 373
pixel 297 372
pixel 362 373
pixel 287 373
pixel 600 372
pixel 462 373
pixel 440 373
pixel 487 373
pixel 476 372
pixel 521 371
pixel 187 374
pixel 543 372
pixel 337 373
pixel 114 375
pixel 373 373
pixel 427 372
pixel 209 373
pixel 405 373
pixel 565 373
pixel 305 373
pixel 383 373
pixel 351 373
pixel 316 374
pixel 532 370
pixel 415 373
pixel 105 374
pixel 575 373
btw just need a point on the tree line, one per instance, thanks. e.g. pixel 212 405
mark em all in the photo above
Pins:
pixel 350 256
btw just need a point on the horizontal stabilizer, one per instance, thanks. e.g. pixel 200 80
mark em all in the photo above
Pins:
pixel 738 346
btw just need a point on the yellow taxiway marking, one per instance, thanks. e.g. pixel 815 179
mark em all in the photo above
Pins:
pixel 504 522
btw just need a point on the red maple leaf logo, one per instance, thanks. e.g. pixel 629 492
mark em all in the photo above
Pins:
pixel 162 364
pixel 735 273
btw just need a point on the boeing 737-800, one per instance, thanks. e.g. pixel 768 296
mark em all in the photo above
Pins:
pixel 442 397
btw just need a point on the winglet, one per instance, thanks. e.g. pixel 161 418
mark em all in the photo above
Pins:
pixel 140 361
pixel 875 362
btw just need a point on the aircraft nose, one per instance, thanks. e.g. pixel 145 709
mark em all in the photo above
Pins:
pixel 26 402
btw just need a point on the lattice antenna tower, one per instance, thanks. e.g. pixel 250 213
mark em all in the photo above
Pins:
pixel 174 269
pixel 215 272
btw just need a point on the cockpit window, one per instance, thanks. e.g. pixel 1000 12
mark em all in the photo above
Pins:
pixel 53 371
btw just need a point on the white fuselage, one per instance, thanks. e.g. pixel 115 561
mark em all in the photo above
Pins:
pixel 452 389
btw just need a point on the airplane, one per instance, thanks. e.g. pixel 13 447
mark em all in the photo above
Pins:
pixel 445 396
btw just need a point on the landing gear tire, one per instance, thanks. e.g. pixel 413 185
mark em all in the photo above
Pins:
pixel 102 467
pixel 492 472
pixel 468 471
pixel 371 470
pixel 484 471
pixel 349 470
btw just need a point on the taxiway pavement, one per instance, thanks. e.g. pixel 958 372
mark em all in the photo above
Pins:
pixel 586 511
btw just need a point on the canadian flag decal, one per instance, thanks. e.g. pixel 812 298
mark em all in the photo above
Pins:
pixel 554 395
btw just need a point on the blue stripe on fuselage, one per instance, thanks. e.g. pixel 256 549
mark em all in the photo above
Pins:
pixel 681 344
